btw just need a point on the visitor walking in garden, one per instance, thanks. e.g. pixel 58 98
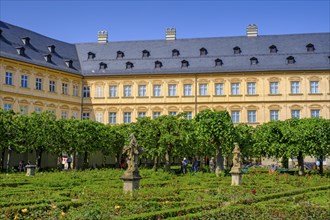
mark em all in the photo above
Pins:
pixel 184 165
pixel 196 164
pixel 69 161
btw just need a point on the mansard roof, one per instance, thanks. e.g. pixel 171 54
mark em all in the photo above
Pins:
pixel 11 38
pixel 161 50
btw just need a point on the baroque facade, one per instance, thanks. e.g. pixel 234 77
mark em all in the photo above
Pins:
pixel 256 78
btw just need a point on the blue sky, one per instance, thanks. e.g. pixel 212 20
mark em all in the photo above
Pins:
pixel 78 21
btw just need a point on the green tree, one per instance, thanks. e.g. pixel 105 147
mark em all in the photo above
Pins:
pixel 245 140
pixel 216 134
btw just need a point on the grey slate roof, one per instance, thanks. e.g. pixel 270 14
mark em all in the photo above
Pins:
pixel 10 39
pixel 161 50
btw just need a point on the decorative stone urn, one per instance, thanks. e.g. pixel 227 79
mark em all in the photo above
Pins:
pixel 132 176
pixel 30 170
pixel 236 170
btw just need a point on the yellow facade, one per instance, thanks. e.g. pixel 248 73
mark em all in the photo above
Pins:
pixel 100 104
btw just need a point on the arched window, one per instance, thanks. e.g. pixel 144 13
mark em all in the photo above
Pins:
pixel 120 54
pixel 103 66
pixel 290 60
pixel 175 53
pixel 218 62
pixel 237 50
pixel 129 65
pixel 254 61
pixel 184 63
pixel 145 53
pixel 158 64
pixel 203 52
pixel 273 49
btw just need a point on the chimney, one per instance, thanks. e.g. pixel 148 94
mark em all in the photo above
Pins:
pixel 252 30
pixel 170 33
pixel 102 37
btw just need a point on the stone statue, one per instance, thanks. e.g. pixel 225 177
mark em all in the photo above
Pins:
pixel 132 151
pixel 236 170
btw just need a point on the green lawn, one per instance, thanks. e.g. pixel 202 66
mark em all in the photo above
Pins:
pixel 98 194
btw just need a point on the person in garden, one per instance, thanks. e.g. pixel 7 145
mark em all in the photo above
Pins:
pixel 212 165
pixel 69 161
pixel 184 165
pixel 21 166
pixel 196 164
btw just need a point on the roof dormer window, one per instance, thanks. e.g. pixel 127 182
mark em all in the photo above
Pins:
pixel 218 62
pixel 0 32
pixel 310 47
pixel 184 64
pixel 203 52
pixel 290 60
pixel 273 49
pixel 175 53
pixel 254 61
pixel 120 54
pixel 237 50
pixel 329 59
pixel 158 64
pixel 69 63
pixel 91 55
pixel 20 51
pixel 145 53
pixel 129 65
pixel 103 66
pixel 48 58
pixel 26 40
pixel 51 48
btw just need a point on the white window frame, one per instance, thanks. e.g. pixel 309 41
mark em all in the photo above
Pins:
pixel 112 118
pixel 219 89
pixel 127 117
pixel 65 89
pixel 86 91
pixel 157 89
pixel 142 90
pixel 113 91
pixel 187 90
pixel 99 91
pixel 37 110
pixel 127 91
pixel 252 116
pixel 85 116
pixel 9 78
pixel 274 115
pixel 314 87
pixel 235 88
pixel 99 117
pixel 7 106
pixel 235 116
pixel 295 87
pixel 203 89
pixel 75 90
pixel 52 86
pixel 38 83
pixel 273 88
pixel 295 113
pixel 64 115
pixel 172 90
pixel 172 113
pixel 24 81
pixel 188 115
pixel 315 113
pixel 156 115
pixel 251 88
pixel 142 114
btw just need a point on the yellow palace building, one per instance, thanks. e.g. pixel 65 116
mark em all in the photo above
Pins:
pixel 256 78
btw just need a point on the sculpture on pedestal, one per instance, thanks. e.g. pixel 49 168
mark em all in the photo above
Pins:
pixel 236 170
pixel 131 176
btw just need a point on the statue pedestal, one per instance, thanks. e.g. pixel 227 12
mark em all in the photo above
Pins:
pixel 30 170
pixel 131 181
pixel 236 178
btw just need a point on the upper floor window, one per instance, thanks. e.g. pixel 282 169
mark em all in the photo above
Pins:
pixel 145 53
pixel 290 60
pixel 203 52
pixel 158 64
pixel 314 87
pixel 295 87
pixel 202 89
pixel 254 61
pixel 310 47
pixel 120 54
pixel 86 91
pixel 113 91
pixel 219 89
pixel 172 89
pixel 295 114
pixel 157 90
pixel 127 91
pixel 142 90
pixel 38 84
pixel 9 78
pixel 235 116
pixel 75 89
pixel 237 50
pixel 24 81
pixel 99 91
pixel 235 89
pixel 90 55
pixel 187 90
pixel 64 114
pixel 129 65
pixel 65 89
pixel 52 86
pixel 218 62
pixel 273 88
pixel 175 53
pixel 251 88
pixel 273 49
pixel 184 63
pixel 103 66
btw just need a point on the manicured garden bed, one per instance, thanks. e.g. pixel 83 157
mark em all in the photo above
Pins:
pixel 98 194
